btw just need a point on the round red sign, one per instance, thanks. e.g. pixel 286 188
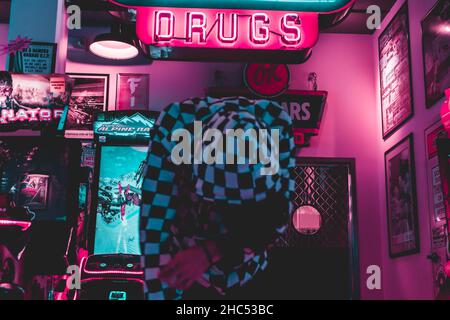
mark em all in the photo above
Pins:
pixel 267 80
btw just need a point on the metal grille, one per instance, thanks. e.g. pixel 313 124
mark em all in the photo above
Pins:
pixel 325 188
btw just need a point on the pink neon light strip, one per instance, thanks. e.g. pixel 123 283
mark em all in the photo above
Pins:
pixel 136 273
pixel 106 278
pixel 25 225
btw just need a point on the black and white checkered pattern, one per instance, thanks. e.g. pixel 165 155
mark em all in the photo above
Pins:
pixel 174 215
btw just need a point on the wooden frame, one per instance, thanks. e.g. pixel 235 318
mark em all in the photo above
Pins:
pixel 387 90
pixel 429 38
pixel 401 196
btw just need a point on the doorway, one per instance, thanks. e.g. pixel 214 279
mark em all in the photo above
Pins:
pixel 318 257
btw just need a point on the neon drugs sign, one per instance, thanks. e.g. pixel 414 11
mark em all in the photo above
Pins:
pixel 248 25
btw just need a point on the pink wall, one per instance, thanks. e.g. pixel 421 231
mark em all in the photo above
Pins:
pixel 169 81
pixel 344 64
pixel 409 277
pixel 3 40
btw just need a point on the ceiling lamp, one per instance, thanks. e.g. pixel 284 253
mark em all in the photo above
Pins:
pixel 117 45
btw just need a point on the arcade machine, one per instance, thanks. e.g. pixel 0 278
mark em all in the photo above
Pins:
pixel 37 171
pixel 112 269
pixel 15 226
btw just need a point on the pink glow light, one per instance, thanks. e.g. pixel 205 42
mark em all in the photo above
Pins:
pixel 106 278
pixel 113 50
pixel 118 272
pixel 25 225
pixel 244 29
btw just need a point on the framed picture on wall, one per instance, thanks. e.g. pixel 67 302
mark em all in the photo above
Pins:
pixel 38 58
pixel 401 199
pixel 436 51
pixel 432 133
pixel 395 73
pixel 133 91
pixel 89 95
pixel 436 200
pixel 33 191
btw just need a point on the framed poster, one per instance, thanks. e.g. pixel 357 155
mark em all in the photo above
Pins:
pixel 133 91
pixel 401 199
pixel 432 133
pixel 33 191
pixel 435 191
pixel 89 95
pixel 395 73
pixel 38 58
pixel 437 195
pixel 436 52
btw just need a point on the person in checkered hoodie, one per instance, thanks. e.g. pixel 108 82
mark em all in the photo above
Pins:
pixel 210 225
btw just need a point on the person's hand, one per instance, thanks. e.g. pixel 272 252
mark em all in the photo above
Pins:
pixel 187 267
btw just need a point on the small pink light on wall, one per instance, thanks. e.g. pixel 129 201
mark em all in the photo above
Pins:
pixel 447 269
pixel 445 111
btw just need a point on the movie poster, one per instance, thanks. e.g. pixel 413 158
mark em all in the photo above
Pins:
pixel 401 199
pixel 133 92
pixel 436 51
pixel 119 197
pixel 89 95
pixel 395 73
pixel 31 100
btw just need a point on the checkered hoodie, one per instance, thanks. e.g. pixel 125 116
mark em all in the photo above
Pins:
pixel 180 202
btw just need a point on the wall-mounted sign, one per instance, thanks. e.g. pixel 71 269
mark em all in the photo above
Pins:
pixel 272 25
pixel 31 100
pixel 227 29
pixel 37 58
pixel 121 126
pixel 306 109
pixel 267 80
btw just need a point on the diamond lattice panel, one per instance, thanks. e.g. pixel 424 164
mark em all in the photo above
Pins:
pixel 326 189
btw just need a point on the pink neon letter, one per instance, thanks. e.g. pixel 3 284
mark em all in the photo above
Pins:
pixel 259 32
pixel 290 24
pixel 234 28
pixel 199 27
pixel 159 17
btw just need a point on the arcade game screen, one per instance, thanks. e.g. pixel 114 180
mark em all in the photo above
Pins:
pixel 36 174
pixel 119 196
